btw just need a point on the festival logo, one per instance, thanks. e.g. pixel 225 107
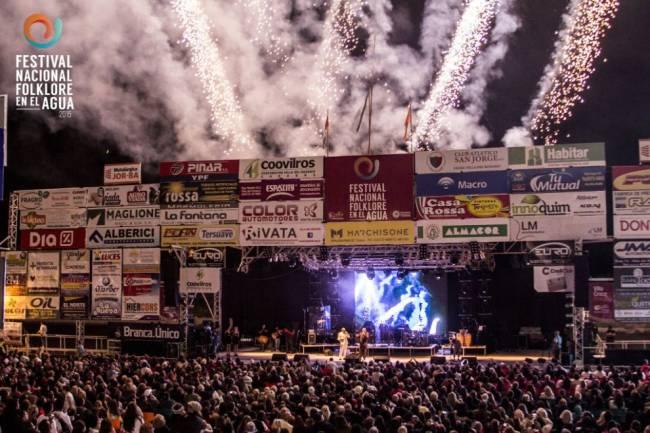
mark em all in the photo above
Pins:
pixel 52 34
pixel 366 168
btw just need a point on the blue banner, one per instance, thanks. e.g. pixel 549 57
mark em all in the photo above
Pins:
pixel 557 180
pixel 484 182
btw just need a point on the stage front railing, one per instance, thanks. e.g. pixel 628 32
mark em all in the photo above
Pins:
pixel 68 343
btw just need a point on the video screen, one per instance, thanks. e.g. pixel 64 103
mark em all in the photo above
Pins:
pixel 416 302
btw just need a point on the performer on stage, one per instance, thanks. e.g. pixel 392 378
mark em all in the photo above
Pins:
pixel 343 339
pixel 227 337
pixel 557 345
pixel 610 335
pixel 276 336
pixel 42 332
pixel 263 338
pixel 289 339
pixel 364 337
pixel 234 339
pixel 456 347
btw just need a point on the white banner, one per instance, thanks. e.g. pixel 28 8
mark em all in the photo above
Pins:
pixel 141 261
pixel 281 212
pixel 198 216
pixel 52 219
pixel 75 262
pixel 125 195
pixel 462 230
pixel 451 161
pixel 107 262
pixel 281 168
pixel 123 174
pixel 545 228
pixel 43 270
pixel 280 234
pixel 52 198
pixel 123 237
pixel 631 202
pixel 124 216
pixel 558 204
pixel 632 226
pixel 141 297
pixel 554 279
pixel 200 280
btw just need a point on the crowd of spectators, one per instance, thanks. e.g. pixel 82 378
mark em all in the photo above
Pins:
pixel 143 395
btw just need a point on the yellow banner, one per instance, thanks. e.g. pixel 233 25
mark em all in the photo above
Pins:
pixel 370 233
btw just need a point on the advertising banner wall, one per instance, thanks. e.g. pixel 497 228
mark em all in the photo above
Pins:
pixel 631 226
pixel 178 195
pixel 484 182
pixel 141 297
pixel 631 202
pixel 462 206
pixel 543 228
pixel 281 234
pixel 141 260
pixel 207 236
pixel 550 253
pixel 111 237
pixel 123 174
pixel 200 280
pixel 281 168
pixel 554 279
pixel 632 253
pixel 557 180
pixel 632 277
pixel 199 170
pixel 630 178
pixel 43 270
pixel 280 212
pixel 52 219
pixel 282 189
pixel 52 198
pixel 451 231
pixel 558 204
pixel 369 188
pixel 205 257
pixel 124 195
pixel 124 216
pixel 563 155
pixel 370 233
pixel 453 160
pixel 199 216
pixel 53 239
pixel 106 283
pixel 601 299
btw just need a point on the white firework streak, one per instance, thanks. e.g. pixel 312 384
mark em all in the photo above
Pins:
pixel 470 36
pixel 573 63
pixel 261 17
pixel 226 116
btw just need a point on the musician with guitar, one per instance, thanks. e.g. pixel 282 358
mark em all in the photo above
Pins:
pixel 276 336
pixel 263 338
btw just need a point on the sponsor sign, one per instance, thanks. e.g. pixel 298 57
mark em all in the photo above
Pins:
pixel 630 178
pixel 370 233
pixel 106 295
pixel 632 253
pixel 199 216
pixel 632 305
pixel 108 261
pixel 205 257
pixel 53 239
pixel 199 170
pixel 52 198
pixel 550 253
pixel 632 277
pixel 445 161
pixel 124 195
pixel 73 284
pixel 557 180
pixel 16 262
pixel 42 307
pixel 554 279
pixel 43 270
pixel 558 204
pixel 13 332
pixel 644 151
pixel 281 189
pixel 369 188
pixel 486 182
pixel 281 234
pixel 15 307
pixel 123 237
pixel 178 195
pixel 564 155
pixel 75 262
pixel 281 168
pixel 15 273
pixel 206 236
pixel 200 280
pixel 450 231
pixel 52 219
pixel 544 228
pixel 281 212
pixel 123 174
pixel 157 332
pixel 601 299
pixel 631 226
pixel 141 297
pixel 124 216
pixel 631 202
pixel 462 206
pixel 74 307
pixel 141 260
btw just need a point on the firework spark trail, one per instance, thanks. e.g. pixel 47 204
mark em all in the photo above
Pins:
pixel 470 36
pixel 226 116
pixel 573 63
pixel 262 16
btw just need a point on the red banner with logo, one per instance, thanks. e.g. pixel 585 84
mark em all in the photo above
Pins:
pixel 199 170
pixel 53 239
pixel 369 188
pixel 463 206
pixel 601 299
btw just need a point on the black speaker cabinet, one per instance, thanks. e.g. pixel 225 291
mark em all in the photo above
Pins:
pixel 279 357
pixel 438 360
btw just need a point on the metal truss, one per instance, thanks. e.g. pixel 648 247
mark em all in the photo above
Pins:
pixel 580 317
pixel 440 257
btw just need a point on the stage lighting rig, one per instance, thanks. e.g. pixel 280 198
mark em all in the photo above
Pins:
pixel 370 273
